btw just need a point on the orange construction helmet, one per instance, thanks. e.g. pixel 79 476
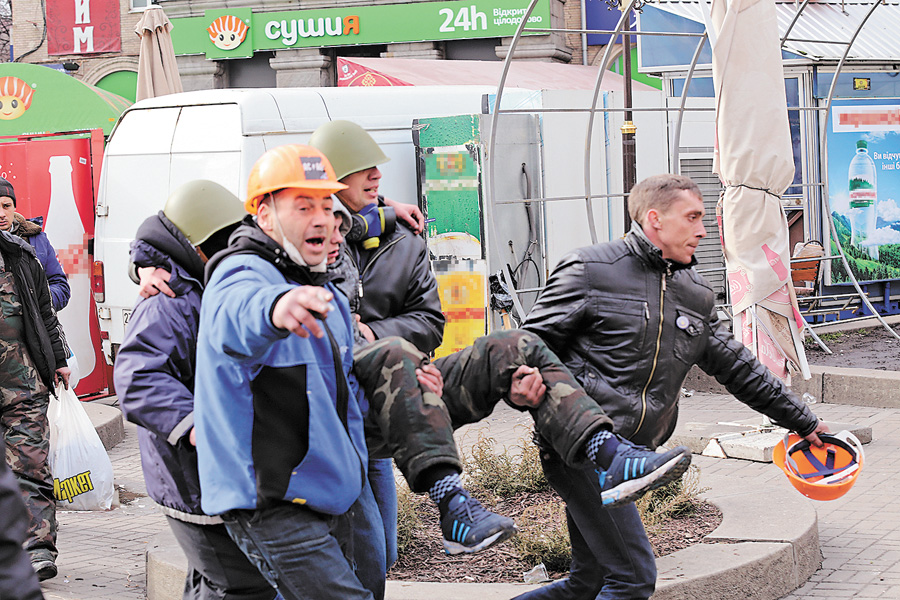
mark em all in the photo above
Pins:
pixel 825 473
pixel 290 166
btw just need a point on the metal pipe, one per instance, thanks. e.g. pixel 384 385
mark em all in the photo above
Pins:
pixel 616 33
pixel 492 144
pixel 629 150
pixel 676 137
pixel 590 126
pixel 794 21
pixel 584 39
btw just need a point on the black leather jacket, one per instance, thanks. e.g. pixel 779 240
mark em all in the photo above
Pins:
pixel 399 294
pixel 630 324
pixel 42 331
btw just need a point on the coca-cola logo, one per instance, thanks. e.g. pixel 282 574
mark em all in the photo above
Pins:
pixel 771 356
pixel 738 284
pixel 781 295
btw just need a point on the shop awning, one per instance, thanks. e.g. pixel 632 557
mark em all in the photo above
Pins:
pixel 36 99
pixel 522 74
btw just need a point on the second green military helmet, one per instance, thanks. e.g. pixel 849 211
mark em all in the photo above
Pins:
pixel 201 207
pixel 348 146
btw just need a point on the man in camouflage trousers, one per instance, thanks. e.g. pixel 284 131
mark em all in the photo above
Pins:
pixel 419 434
pixel 32 358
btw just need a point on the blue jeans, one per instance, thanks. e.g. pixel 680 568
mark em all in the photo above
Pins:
pixel 384 486
pixel 368 542
pixel 611 555
pixel 217 569
pixel 303 554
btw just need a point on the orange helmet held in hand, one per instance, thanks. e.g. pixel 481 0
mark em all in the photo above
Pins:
pixel 825 473
pixel 290 166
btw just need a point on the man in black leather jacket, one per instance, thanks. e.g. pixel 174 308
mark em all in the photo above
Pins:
pixel 629 318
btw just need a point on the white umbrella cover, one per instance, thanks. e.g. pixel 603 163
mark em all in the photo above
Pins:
pixel 157 70
pixel 754 160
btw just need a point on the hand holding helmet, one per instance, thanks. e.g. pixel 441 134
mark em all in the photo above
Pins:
pixel 825 473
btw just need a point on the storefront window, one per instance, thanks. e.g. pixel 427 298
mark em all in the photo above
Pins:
pixel 792 91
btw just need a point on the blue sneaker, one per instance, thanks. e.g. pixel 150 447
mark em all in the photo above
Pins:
pixel 635 471
pixel 468 527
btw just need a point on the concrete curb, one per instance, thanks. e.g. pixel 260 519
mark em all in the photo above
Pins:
pixel 107 421
pixel 768 546
pixel 832 385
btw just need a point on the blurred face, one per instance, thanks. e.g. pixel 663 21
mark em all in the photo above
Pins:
pixel 306 222
pixel 334 244
pixel 7 212
pixel 677 231
pixel 362 189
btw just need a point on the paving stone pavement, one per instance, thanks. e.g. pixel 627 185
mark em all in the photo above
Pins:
pixel 102 555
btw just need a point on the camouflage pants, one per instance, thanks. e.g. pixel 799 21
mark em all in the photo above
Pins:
pixel 416 427
pixel 23 420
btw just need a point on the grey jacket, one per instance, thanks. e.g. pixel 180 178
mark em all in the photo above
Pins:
pixel 398 293
pixel 629 325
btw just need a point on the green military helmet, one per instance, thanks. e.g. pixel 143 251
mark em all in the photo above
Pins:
pixel 201 207
pixel 348 147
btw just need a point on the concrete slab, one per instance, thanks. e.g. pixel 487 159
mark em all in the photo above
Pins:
pixel 743 439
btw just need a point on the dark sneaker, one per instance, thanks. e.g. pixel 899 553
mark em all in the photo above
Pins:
pixel 468 527
pixel 45 569
pixel 635 471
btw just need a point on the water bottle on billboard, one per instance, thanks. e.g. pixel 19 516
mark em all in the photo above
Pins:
pixel 863 196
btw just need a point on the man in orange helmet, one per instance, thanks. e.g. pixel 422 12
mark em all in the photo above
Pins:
pixel 280 442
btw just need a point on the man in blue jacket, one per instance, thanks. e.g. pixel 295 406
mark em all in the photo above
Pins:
pixel 31 230
pixel 281 447
pixel 154 375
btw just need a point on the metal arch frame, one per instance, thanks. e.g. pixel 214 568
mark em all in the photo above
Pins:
pixel 676 136
pixel 588 196
pixel 823 153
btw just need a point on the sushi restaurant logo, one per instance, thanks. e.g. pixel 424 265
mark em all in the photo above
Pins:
pixel 227 32
pixel 15 98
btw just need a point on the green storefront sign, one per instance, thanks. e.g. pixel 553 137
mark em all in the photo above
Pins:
pixel 239 32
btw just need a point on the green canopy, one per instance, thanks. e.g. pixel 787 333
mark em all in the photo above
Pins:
pixel 36 99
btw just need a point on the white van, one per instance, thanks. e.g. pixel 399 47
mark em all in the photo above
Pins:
pixel 161 143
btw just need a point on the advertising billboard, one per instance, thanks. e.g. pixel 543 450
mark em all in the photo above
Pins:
pixel 53 180
pixel 864 187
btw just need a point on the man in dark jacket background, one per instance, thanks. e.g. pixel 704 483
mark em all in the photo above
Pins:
pixel 31 230
pixel 32 359
pixel 154 375
pixel 629 318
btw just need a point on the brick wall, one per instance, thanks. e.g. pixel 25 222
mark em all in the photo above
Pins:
pixel 27 33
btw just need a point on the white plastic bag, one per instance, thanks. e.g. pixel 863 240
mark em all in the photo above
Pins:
pixel 82 472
